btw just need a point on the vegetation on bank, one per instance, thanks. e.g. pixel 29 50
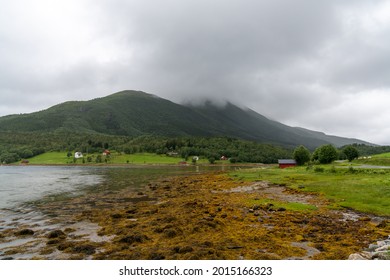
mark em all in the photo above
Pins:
pixel 57 158
pixel 364 190
pixel 17 146
pixel 29 145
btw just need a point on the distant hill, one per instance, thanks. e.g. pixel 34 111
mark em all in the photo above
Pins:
pixel 135 113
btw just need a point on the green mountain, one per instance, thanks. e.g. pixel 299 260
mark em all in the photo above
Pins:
pixel 135 113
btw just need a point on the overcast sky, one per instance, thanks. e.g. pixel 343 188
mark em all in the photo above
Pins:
pixel 323 65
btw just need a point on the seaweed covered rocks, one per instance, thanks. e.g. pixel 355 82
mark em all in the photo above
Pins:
pixel 212 216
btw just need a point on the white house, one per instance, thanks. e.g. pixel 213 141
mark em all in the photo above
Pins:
pixel 78 155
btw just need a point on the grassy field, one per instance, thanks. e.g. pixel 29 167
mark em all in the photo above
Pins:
pixel 50 158
pixel 365 190
pixel 115 158
pixel 380 159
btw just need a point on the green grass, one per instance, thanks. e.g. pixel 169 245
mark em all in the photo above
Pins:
pixel 50 158
pixel 115 158
pixel 380 159
pixel 365 190
pixel 144 158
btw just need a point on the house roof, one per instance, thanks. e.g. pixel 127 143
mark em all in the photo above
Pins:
pixel 287 161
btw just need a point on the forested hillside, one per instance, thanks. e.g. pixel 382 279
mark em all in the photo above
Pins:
pixel 134 114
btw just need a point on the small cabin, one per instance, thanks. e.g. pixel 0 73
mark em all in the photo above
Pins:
pixel 78 155
pixel 284 163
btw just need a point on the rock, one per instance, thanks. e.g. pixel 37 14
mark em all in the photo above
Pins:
pixel 381 256
pixel 130 239
pixel 25 232
pixel 383 248
pixel 56 234
pixel 358 256
pixel 233 247
pixel 87 249
pixel 116 216
pixel 373 247
pixel 53 242
pixel 367 255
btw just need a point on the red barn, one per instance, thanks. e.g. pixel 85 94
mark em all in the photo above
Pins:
pixel 284 163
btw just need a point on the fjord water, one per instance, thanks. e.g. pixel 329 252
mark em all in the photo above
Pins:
pixel 21 184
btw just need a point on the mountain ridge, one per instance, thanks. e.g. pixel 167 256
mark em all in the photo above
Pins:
pixel 136 113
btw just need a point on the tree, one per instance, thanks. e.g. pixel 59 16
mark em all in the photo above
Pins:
pixel 9 158
pixel 211 160
pixel 351 152
pixel 301 155
pixel 325 154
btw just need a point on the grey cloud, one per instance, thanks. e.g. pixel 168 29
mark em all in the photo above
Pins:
pixel 301 62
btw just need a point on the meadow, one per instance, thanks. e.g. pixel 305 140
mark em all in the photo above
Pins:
pixel 379 159
pixel 363 190
pixel 115 158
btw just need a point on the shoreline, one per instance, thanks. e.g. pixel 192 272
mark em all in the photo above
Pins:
pixel 203 216
pixel 141 165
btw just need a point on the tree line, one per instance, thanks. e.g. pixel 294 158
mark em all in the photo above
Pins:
pixel 325 154
pixel 17 146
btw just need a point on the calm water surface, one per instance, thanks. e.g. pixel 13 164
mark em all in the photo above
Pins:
pixel 20 184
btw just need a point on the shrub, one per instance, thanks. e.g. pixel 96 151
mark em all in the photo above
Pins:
pixel 301 155
pixel 319 169
pixel 325 154
pixel 351 152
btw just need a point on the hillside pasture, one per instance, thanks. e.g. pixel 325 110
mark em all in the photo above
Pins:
pixel 379 159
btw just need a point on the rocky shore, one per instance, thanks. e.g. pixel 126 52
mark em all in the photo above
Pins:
pixel 206 216
pixel 376 251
